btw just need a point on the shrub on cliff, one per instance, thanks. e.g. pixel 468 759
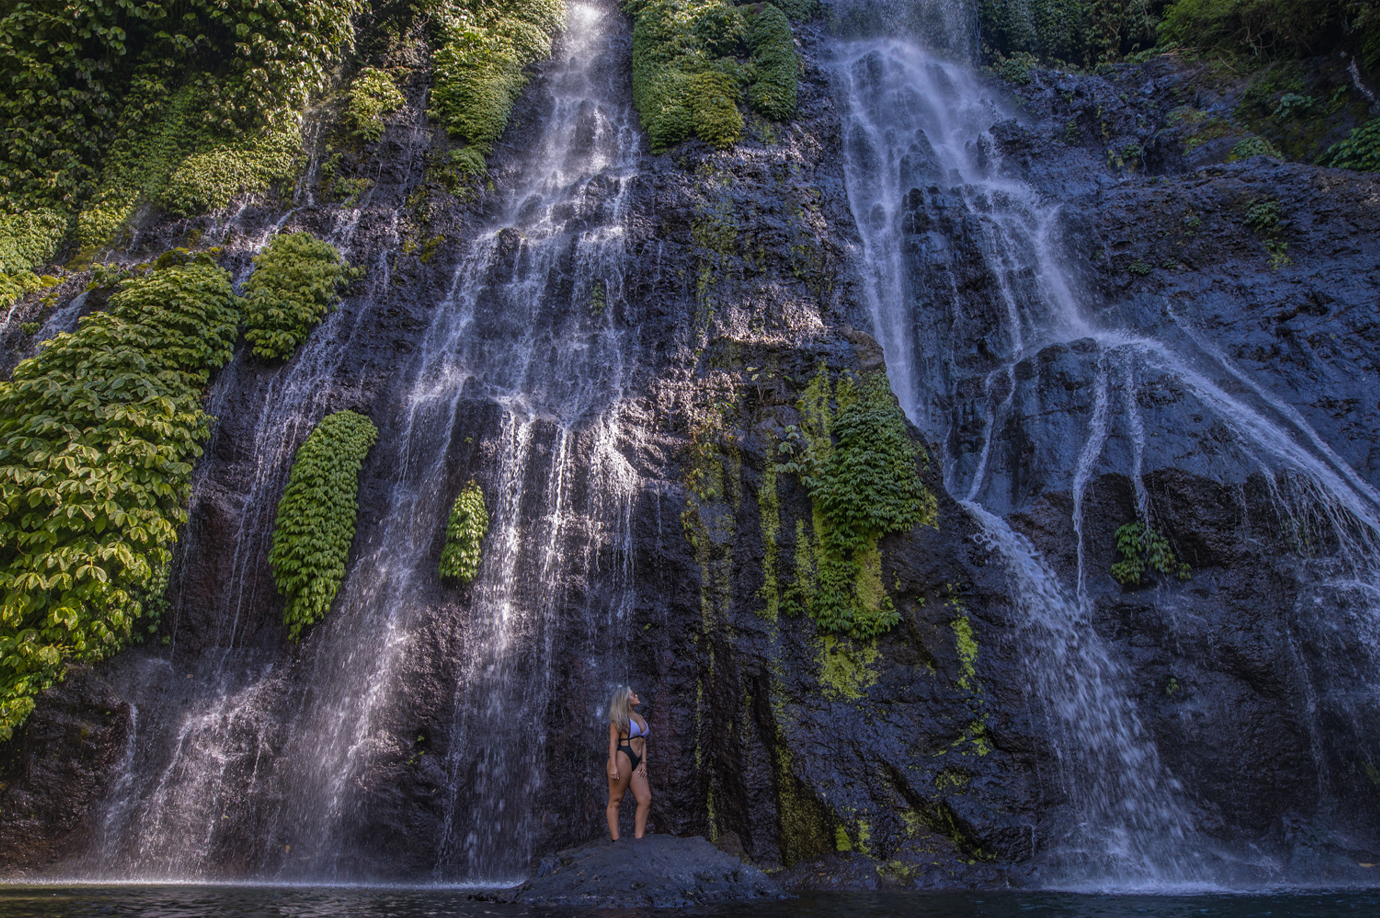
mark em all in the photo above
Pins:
pixel 373 94
pixel 465 531
pixel 98 436
pixel 479 67
pixel 316 518
pixel 1361 150
pixel 691 59
pixel 297 279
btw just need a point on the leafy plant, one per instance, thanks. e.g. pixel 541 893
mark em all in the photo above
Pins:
pixel 862 478
pixel 373 94
pixel 98 435
pixel 1263 216
pixel 316 518
pixel 1360 150
pixel 297 279
pixel 465 531
pixel 1141 549
pixel 691 59
pixel 479 68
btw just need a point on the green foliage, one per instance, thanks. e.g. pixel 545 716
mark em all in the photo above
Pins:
pixel 373 94
pixel 1253 146
pixel 691 58
pixel 1141 549
pixel 1360 151
pixel 98 434
pixel 1079 32
pixel 316 518
pixel 27 240
pixel 1253 26
pixel 81 73
pixel 479 68
pixel 469 523
pixel 297 279
pixel 773 88
pixel 1263 216
pixel 860 470
pixel 713 112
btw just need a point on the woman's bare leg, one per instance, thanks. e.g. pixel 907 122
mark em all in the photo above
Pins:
pixel 643 792
pixel 616 791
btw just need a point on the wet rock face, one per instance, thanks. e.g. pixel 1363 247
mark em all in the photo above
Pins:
pixel 57 769
pixel 657 871
pixel 920 761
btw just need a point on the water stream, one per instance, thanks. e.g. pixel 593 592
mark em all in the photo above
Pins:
pixel 965 282
pixel 520 375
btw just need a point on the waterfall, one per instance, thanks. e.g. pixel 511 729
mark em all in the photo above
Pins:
pixel 963 276
pixel 519 381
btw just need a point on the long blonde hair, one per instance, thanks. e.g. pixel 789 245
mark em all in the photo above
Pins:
pixel 619 710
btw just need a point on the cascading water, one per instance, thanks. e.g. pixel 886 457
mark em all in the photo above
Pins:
pixel 963 276
pixel 520 376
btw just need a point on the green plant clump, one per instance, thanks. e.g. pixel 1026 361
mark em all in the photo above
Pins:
pixel 692 59
pixel 373 94
pixel 774 87
pixel 98 435
pixel 1361 150
pixel 862 479
pixel 81 75
pixel 469 523
pixel 1078 32
pixel 1141 549
pixel 316 518
pixel 297 279
pixel 479 68
pixel 27 240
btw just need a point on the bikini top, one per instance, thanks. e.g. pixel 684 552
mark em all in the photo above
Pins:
pixel 634 731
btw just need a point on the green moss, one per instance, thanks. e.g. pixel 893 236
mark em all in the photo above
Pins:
pixel 841 840
pixel 297 279
pixel 769 513
pixel 373 94
pixel 479 68
pixel 845 667
pixel 967 652
pixel 316 518
pixel 1253 146
pixel 465 532
pixel 864 837
pixel 98 436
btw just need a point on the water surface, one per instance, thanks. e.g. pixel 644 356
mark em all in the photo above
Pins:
pixel 235 901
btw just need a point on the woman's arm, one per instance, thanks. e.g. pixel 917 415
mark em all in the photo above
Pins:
pixel 613 751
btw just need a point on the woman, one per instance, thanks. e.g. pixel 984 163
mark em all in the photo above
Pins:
pixel 627 760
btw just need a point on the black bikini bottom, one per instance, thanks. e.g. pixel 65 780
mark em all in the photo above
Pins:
pixel 632 756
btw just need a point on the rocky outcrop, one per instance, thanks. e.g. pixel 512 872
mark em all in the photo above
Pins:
pixel 657 871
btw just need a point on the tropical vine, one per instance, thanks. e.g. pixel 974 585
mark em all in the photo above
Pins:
pixel 316 518
pixel 297 279
pixel 465 531
pixel 98 436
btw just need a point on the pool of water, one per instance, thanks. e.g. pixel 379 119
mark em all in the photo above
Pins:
pixel 239 901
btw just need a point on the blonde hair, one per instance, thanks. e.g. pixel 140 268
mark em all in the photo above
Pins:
pixel 619 711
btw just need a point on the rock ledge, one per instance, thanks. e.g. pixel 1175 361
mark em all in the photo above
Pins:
pixel 659 871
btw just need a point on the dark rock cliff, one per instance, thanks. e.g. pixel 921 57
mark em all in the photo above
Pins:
pixel 923 760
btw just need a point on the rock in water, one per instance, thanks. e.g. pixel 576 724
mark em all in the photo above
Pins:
pixel 659 871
